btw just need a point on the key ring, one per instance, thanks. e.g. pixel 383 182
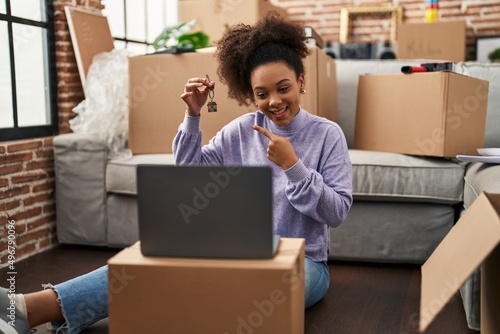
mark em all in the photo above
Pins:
pixel 211 94
pixel 212 106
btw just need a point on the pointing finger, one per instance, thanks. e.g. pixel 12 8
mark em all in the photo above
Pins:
pixel 264 131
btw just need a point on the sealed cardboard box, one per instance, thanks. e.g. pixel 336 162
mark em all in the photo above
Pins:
pixel 437 40
pixel 180 295
pixel 440 114
pixel 156 109
pixel 473 242
pixel 214 16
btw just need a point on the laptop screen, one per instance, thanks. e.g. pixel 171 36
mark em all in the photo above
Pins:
pixel 205 211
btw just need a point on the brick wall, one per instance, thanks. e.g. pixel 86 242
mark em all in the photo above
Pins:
pixel 482 17
pixel 27 185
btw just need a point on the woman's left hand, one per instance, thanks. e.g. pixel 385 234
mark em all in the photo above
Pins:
pixel 280 150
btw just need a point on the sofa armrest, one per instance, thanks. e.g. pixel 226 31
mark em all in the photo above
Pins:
pixel 80 167
pixel 479 177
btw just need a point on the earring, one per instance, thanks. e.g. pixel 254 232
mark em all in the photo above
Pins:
pixel 303 91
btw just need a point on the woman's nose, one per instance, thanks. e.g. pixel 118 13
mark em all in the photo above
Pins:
pixel 275 100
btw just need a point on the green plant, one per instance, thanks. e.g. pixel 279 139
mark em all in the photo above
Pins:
pixel 494 56
pixel 178 36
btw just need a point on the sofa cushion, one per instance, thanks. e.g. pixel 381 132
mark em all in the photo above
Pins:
pixel 391 232
pixel 381 176
pixel 121 173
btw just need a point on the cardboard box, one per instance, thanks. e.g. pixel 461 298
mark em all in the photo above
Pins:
pixel 90 35
pixel 440 114
pixel 156 109
pixel 214 15
pixel 474 241
pixel 437 40
pixel 183 296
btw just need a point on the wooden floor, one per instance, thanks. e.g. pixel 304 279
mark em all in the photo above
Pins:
pixel 363 298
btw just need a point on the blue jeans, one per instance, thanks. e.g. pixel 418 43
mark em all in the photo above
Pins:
pixel 84 299
pixel 317 281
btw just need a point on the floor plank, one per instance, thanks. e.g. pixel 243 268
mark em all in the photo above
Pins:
pixel 363 297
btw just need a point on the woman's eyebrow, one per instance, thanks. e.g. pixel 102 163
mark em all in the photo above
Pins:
pixel 277 84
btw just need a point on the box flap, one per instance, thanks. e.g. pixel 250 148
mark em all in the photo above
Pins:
pixel 467 245
pixel 90 35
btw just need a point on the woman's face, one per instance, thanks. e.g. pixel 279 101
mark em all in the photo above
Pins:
pixel 277 91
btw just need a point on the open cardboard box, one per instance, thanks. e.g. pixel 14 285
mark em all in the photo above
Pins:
pixel 474 241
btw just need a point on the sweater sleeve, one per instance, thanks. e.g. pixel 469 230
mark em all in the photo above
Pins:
pixel 187 146
pixel 325 194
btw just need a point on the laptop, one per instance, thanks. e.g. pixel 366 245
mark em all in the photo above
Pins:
pixel 206 211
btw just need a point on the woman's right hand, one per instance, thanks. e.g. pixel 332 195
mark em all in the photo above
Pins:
pixel 195 94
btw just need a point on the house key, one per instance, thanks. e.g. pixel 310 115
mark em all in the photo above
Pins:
pixel 212 106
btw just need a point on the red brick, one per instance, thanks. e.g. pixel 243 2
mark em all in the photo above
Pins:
pixel 64 128
pixel 69 79
pixel 9 205
pixel 67 117
pixel 8 158
pixel 48 141
pixel 23 250
pixel 2 149
pixel 26 214
pixel 49 208
pixel 20 228
pixel 25 146
pixel 41 221
pixel 40 198
pixel 33 235
pixel 47 243
pixel 67 109
pixel 49 185
pixel 60 25
pixel 40 164
pixel 71 99
pixel 47 153
pixel 4 182
pixel 14 191
pixel 65 58
pixel 29 177
pixel 10 169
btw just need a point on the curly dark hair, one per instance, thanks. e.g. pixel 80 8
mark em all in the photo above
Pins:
pixel 242 48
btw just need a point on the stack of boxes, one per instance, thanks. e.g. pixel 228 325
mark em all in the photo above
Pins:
pixel 439 114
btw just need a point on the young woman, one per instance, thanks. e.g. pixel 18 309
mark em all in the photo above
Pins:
pixel 261 64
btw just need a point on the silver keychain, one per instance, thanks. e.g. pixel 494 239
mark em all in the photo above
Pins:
pixel 212 106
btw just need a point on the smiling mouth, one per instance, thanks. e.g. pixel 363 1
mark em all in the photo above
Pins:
pixel 279 112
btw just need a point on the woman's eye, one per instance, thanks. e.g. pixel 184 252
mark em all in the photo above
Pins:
pixel 261 96
pixel 283 89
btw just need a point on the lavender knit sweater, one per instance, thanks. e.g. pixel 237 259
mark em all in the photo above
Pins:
pixel 311 196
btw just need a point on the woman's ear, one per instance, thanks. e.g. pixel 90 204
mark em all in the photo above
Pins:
pixel 302 82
